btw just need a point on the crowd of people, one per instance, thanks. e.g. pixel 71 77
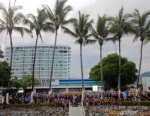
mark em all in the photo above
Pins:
pixel 74 98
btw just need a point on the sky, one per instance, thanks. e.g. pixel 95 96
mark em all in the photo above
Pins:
pixel 90 52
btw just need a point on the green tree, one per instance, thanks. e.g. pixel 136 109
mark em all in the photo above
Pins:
pixel 24 82
pixel 4 73
pixel 57 18
pixel 82 32
pixel 38 24
pixel 110 71
pixel 141 29
pixel 16 83
pixel 10 20
pixel 100 34
pixel 120 26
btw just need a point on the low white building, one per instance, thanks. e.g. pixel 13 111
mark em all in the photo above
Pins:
pixel 146 83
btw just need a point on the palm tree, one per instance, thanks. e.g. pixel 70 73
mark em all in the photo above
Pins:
pixel 100 34
pixel 57 17
pixel 141 29
pixel 119 27
pixel 81 28
pixel 10 20
pixel 37 23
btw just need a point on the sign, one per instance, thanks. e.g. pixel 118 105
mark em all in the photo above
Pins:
pixel 113 112
pixel 20 90
pixel 95 88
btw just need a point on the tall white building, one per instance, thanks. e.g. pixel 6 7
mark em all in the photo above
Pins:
pixel 23 60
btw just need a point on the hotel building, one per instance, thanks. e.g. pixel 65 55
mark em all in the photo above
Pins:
pixel 23 56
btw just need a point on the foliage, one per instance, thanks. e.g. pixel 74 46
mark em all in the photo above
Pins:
pixel 57 18
pixel 110 71
pixel 10 21
pixel 141 26
pixel 38 24
pixel 4 73
pixel 101 31
pixel 81 29
pixel 120 25
pixel 11 18
pixel 141 30
pixel 100 34
pixel 24 82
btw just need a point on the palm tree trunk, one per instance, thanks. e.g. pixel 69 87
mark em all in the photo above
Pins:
pixel 82 98
pixel 11 57
pixel 34 63
pixel 50 81
pixel 115 48
pixel 119 78
pixel 10 68
pixel 138 76
pixel 101 70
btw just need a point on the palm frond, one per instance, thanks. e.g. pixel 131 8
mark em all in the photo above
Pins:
pixel 3 22
pixel 49 12
pixel 69 21
pixel 68 31
pixel 41 37
pixel 18 18
pixel 47 27
pixel 147 27
pixel 50 23
pixel 141 25
pixel 113 39
pixel 89 41
pixel 29 23
pixel 21 30
pixel 65 12
pixel 33 18
pixel 3 9
pixel 78 41
pixel 145 17
pixel 16 8
pixel 136 38
pixel 88 36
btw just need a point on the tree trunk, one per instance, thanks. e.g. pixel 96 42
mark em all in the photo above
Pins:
pixel 10 68
pixel 51 74
pixel 34 63
pixel 11 57
pixel 138 76
pixel 101 70
pixel 82 98
pixel 119 77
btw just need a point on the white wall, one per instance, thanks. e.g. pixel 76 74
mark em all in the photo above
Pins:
pixel 146 83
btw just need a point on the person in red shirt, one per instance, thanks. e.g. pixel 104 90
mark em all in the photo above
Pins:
pixel 101 101
pixel 116 94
